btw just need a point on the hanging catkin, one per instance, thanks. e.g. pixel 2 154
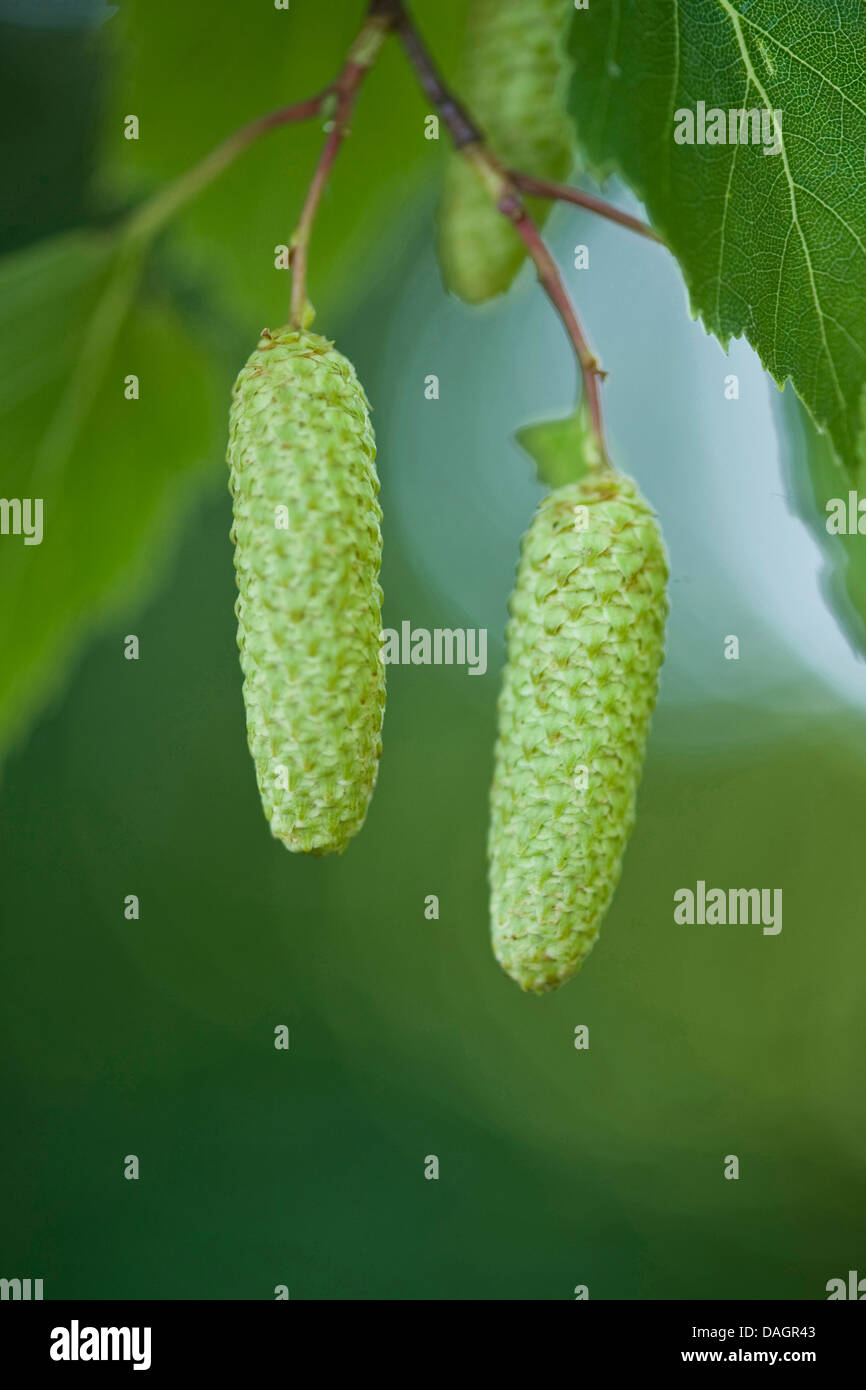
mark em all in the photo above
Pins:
pixel 585 643
pixel 307 554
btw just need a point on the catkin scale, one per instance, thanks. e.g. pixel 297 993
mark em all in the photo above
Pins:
pixel 514 84
pixel 309 602
pixel 585 643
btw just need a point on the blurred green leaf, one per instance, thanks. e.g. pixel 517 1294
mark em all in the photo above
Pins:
pixel 55 77
pixel 772 246
pixel 107 470
pixel 562 450
pixel 191 82
pixel 817 477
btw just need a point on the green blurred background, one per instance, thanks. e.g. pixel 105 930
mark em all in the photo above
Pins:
pixel 558 1167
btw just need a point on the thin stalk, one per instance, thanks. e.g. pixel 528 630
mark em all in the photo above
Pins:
pixel 505 194
pixel 564 193
pixel 551 280
pixel 346 88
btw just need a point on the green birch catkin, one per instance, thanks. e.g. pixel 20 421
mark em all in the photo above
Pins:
pixel 585 643
pixel 515 77
pixel 307 554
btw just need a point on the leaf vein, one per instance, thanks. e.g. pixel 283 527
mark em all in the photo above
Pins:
pixel 753 76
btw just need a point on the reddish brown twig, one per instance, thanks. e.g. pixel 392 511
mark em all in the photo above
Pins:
pixel 505 193
pixel 346 88
pixel 551 280
pixel 564 193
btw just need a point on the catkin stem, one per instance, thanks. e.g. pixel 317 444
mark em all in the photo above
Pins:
pixel 469 141
pixel 551 280
pixel 461 127
pixel 362 55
